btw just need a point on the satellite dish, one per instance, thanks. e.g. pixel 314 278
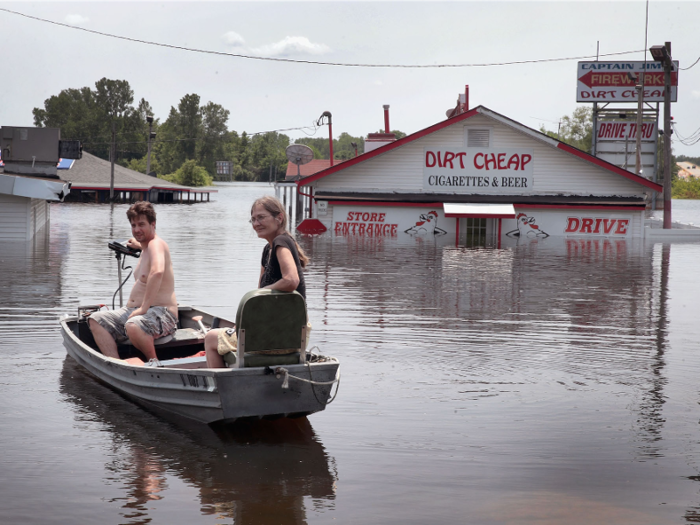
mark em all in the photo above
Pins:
pixel 299 154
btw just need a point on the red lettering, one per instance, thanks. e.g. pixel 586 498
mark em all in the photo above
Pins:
pixel 608 225
pixel 572 224
pixel 373 218
pixel 514 161
pixel 501 161
pixel 365 217
pixel 622 226
pixel 430 159
pixel 526 160
pixel 490 159
pixel 597 225
pixel 461 158
pixel 393 228
pixel 475 159
pixel 381 217
pixel 439 157
pixel 448 158
pixel 586 224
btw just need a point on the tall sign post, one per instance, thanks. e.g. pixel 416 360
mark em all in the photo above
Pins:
pixel 662 54
pixel 609 86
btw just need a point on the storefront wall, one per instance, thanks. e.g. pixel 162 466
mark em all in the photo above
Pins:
pixel 514 164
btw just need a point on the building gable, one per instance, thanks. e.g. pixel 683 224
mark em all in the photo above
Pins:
pixel 537 164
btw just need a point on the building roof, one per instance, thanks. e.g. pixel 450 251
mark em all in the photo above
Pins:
pixel 305 170
pixel 94 173
pixel 481 110
pixel 688 169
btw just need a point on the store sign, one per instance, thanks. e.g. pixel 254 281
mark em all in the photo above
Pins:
pixel 486 171
pixel 611 130
pixel 391 221
pixel 596 226
pixel 616 81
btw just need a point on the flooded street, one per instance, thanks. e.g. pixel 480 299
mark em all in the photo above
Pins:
pixel 544 382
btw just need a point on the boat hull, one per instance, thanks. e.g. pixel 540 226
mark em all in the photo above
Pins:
pixel 208 395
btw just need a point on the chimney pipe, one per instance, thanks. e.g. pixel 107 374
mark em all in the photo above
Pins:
pixel 387 129
pixel 466 98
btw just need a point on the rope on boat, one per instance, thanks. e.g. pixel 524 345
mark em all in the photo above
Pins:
pixel 280 371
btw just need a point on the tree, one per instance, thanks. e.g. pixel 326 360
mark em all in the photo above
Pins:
pixel 190 174
pixel 575 130
pixel 87 115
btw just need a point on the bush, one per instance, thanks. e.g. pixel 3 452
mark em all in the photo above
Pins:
pixel 190 174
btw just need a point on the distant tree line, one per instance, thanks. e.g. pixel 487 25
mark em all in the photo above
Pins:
pixel 188 143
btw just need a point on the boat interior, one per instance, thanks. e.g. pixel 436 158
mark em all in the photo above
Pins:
pixel 271 329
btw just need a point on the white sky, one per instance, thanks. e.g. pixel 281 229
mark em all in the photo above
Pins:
pixel 40 59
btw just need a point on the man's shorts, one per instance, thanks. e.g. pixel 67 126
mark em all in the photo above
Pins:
pixel 157 322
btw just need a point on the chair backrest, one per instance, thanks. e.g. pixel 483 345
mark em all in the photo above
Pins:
pixel 272 322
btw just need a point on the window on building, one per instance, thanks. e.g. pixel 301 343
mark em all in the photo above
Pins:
pixel 475 232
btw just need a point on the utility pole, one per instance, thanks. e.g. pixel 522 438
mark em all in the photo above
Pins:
pixel 640 110
pixel 668 65
pixel 113 153
pixel 663 54
pixel 151 135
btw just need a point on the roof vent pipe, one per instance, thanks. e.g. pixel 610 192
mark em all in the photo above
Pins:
pixel 387 129
pixel 466 97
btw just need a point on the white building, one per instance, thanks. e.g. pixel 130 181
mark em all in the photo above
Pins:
pixel 479 177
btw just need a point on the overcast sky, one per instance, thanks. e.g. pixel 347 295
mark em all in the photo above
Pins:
pixel 40 59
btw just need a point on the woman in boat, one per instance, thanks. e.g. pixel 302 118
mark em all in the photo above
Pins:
pixel 281 269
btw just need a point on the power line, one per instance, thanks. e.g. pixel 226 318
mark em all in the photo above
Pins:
pixel 687 68
pixel 314 62
pixel 162 141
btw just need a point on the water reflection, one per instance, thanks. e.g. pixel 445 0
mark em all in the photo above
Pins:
pixel 260 473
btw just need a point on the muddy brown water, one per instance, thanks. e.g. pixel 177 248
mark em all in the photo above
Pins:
pixel 541 383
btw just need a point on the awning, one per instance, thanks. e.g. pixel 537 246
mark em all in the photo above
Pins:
pixel 479 211
pixel 34 188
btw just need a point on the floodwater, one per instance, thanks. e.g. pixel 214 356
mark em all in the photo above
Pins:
pixel 546 382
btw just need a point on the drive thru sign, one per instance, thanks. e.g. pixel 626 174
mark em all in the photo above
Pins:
pixel 615 81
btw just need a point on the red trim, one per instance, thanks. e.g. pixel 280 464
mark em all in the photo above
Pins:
pixel 632 207
pixel 610 167
pixel 386 203
pixel 481 215
pixel 388 147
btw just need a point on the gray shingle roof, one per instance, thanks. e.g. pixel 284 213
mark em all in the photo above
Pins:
pixel 93 172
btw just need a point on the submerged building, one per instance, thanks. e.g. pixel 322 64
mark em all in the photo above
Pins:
pixel 478 177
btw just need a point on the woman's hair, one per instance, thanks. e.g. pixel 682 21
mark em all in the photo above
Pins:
pixel 275 208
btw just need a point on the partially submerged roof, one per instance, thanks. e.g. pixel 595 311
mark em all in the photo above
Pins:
pixel 91 172
pixel 481 110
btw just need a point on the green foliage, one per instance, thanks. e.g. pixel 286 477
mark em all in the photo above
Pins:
pixel 685 189
pixel 190 174
pixel 192 132
pixel 575 130
pixel 88 115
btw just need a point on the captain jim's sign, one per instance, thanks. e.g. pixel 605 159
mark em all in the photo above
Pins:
pixel 481 171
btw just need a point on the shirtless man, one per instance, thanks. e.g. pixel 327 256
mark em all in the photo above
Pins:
pixel 151 311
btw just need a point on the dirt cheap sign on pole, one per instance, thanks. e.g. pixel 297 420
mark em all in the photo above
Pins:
pixel 616 81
